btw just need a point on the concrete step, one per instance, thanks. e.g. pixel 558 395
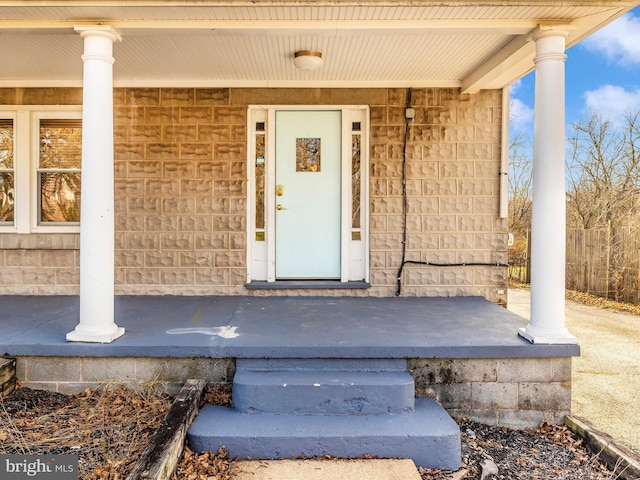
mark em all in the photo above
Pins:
pixel 323 392
pixel 323 386
pixel 322 364
pixel 428 435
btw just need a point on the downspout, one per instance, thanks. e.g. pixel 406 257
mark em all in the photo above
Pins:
pixel 504 152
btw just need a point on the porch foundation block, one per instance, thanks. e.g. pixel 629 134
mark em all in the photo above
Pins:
pixel 506 392
pixel 72 375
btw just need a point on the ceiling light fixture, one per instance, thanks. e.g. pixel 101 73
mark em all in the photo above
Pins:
pixel 307 60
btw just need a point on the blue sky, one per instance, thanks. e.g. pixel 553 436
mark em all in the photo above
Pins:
pixel 602 76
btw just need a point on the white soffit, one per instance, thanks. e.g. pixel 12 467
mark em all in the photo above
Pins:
pixel 243 44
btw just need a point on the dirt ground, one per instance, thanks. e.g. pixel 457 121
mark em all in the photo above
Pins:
pixel 606 376
pixel 109 428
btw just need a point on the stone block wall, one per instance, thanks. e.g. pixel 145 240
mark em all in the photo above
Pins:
pixel 181 188
pixel 453 163
pixel 39 264
pixel 71 375
pixel 508 392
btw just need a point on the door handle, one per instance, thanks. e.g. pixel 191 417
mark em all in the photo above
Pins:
pixel 280 207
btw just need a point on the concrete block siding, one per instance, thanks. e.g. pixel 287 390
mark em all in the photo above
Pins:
pixel 181 193
pixel 507 392
pixel 71 375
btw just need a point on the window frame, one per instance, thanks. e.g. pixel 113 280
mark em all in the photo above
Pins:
pixel 9 115
pixel 26 130
pixel 36 196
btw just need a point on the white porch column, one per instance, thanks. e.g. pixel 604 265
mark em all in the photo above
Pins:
pixel 548 229
pixel 96 214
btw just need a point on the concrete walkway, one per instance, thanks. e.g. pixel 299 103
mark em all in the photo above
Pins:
pixel 606 377
pixel 336 469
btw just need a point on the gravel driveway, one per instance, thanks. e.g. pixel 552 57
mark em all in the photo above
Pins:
pixel 606 377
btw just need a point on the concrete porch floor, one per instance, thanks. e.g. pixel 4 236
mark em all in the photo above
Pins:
pixel 275 327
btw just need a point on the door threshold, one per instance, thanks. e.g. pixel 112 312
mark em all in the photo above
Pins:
pixel 307 284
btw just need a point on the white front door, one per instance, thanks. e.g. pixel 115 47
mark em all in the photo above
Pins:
pixel 308 194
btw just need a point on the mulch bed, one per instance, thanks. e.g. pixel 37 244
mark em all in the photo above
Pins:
pixel 548 452
pixel 109 427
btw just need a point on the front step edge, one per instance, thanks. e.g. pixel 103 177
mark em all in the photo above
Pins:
pixel 346 393
pixel 428 436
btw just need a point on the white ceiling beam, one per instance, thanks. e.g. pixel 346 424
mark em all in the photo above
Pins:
pixel 509 56
pixel 455 26
pixel 312 3
pixel 225 83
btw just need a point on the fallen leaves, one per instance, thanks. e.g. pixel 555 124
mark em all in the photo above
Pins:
pixel 601 302
pixel 218 395
pixel 107 428
pixel 548 452
pixel 205 466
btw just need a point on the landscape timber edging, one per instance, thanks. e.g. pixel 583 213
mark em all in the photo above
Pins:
pixel 7 375
pixel 160 458
pixel 623 461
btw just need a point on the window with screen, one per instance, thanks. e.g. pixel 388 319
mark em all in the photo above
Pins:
pixel 59 171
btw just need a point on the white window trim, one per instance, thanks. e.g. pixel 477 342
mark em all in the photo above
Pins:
pixel 36 226
pixel 26 149
pixel 12 115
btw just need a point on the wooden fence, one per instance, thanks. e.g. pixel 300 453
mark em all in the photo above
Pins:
pixel 604 262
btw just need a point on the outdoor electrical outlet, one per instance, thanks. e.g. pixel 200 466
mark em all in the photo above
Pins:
pixel 410 113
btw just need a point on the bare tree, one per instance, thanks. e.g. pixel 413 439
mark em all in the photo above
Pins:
pixel 603 171
pixel 520 184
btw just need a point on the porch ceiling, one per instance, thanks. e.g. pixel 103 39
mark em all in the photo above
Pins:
pixel 471 45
